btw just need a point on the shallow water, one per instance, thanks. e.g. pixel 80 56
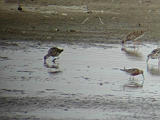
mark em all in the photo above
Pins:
pixel 82 70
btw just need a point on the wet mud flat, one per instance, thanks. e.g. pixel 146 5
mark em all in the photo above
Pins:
pixel 85 83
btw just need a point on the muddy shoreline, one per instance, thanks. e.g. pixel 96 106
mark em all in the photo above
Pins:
pixel 138 108
pixel 60 21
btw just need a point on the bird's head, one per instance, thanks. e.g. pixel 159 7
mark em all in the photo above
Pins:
pixel 141 72
pixel 60 50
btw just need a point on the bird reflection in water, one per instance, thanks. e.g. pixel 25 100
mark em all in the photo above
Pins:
pixel 153 69
pixel 54 68
pixel 54 65
pixel 133 85
pixel 132 53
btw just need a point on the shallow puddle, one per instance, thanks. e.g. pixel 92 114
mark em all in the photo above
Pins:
pixel 82 69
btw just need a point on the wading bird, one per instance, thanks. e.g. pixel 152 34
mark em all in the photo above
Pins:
pixel 155 54
pixel 133 72
pixel 133 36
pixel 54 52
pixel 19 8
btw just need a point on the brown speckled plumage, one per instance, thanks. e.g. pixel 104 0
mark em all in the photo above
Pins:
pixel 155 54
pixel 54 52
pixel 133 36
pixel 133 72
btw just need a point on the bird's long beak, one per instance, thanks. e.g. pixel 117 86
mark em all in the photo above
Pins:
pixel 143 76
pixel 148 58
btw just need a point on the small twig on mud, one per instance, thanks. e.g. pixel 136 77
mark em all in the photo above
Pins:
pixel 85 20
pixel 100 20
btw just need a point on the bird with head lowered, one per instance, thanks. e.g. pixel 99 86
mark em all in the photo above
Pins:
pixel 54 52
pixel 133 72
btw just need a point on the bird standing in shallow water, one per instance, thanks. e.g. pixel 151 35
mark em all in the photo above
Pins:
pixel 20 8
pixel 54 52
pixel 155 54
pixel 133 36
pixel 133 72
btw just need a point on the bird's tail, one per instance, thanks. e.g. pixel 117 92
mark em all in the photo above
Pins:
pixel 123 69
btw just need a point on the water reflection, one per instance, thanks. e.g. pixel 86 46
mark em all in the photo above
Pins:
pixel 132 53
pixel 53 72
pixel 54 65
pixel 133 84
pixel 54 68
pixel 153 69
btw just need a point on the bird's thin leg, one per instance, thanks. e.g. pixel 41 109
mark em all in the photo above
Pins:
pixel 123 45
pixel 135 45
pixel 135 49
pixel 138 44
pixel 131 78
pixel 143 77
pixel 53 59
pixel 135 42
pixel 159 62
